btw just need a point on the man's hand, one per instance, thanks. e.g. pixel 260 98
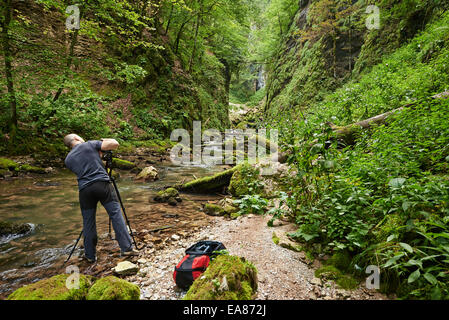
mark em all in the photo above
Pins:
pixel 109 144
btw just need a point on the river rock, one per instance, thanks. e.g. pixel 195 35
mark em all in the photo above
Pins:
pixel 7 228
pixel 126 268
pixel 148 174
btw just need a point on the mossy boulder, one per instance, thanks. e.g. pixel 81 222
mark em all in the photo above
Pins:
pixel 341 260
pixel 123 164
pixel 113 288
pixel 8 164
pixel 7 228
pixel 165 195
pixel 211 184
pixel 31 169
pixel 330 272
pixel 244 181
pixel 226 278
pixel 54 288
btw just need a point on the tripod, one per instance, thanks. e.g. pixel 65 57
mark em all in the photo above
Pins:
pixel 109 166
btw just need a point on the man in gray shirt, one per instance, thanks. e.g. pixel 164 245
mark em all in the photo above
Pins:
pixel 95 186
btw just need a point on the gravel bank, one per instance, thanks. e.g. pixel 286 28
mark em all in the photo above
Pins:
pixel 283 274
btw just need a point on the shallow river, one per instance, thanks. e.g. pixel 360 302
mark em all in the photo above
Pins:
pixel 50 203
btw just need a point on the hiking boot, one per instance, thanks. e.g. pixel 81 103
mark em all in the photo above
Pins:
pixel 130 253
pixel 84 258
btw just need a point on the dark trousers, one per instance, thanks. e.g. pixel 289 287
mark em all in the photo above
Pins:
pixel 103 192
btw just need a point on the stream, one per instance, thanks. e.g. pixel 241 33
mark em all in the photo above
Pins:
pixel 50 204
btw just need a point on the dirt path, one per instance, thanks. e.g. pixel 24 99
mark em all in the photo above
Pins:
pixel 283 274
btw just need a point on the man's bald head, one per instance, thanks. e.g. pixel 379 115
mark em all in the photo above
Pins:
pixel 72 140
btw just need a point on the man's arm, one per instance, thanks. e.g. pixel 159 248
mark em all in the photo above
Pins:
pixel 109 144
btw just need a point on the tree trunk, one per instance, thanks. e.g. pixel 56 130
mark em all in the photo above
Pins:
pixel 197 28
pixel 7 16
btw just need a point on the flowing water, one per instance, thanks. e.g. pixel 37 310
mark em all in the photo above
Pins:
pixel 50 204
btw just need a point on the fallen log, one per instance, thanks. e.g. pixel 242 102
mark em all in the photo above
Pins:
pixel 208 185
pixel 348 133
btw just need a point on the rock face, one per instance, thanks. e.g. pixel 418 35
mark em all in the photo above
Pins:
pixel 7 228
pixel 148 174
pixel 112 288
pixel 226 278
pixel 54 288
pixel 126 268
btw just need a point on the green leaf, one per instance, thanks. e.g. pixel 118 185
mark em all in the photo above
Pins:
pixel 397 183
pixel 391 237
pixel 406 247
pixel 429 277
pixel 414 276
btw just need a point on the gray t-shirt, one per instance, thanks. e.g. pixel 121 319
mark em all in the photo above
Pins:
pixel 84 160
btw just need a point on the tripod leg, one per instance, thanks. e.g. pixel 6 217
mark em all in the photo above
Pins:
pixel 74 247
pixel 124 212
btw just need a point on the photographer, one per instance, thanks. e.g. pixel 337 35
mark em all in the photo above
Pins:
pixel 95 186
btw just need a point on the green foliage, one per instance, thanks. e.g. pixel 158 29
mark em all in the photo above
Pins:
pixel 251 204
pixel 385 199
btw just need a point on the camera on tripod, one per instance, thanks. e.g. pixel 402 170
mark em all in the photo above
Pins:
pixel 107 156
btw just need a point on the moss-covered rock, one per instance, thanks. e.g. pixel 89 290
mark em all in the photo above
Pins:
pixel 244 181
pixel 214 210
pixel 226 278
pixel 31 169
pixel 54 288
pixel 166 195
pixel 123 164
pixel 330 272
pixel 341 260
pixel 211 184
pixel 113 288
pixel 7 228
pixel 8 164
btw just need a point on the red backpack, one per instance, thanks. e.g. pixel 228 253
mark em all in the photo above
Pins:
pixel 196 261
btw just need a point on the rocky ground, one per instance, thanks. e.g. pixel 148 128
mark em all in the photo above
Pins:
pixel 283 274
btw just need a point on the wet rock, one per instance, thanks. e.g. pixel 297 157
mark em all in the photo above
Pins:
pixel 7 228
pixel 148 174
pixel 213 210
pixel 166 195
pixel 172 202
pixel 126 268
